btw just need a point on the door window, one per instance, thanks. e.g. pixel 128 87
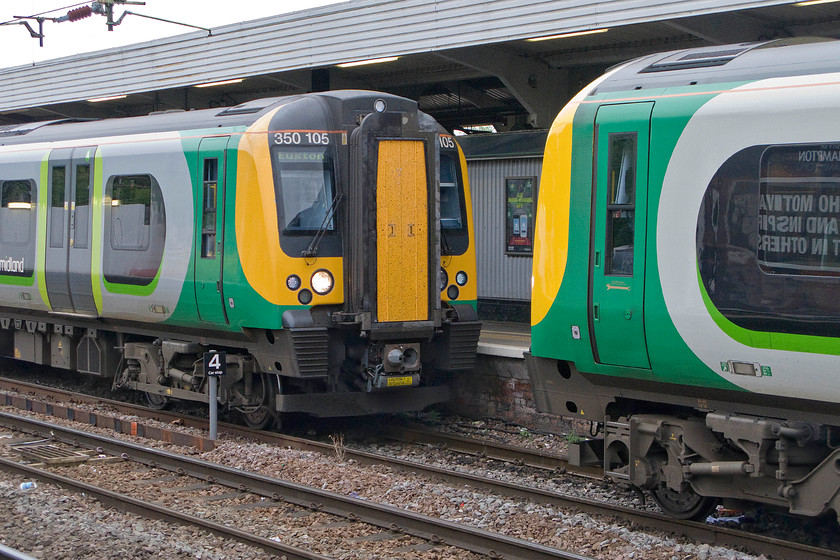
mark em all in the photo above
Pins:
pixel 621 203
pixel 80 214
pixel 59 174
pixel 208 223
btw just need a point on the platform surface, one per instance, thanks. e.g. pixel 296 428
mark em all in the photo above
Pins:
pixel 508 340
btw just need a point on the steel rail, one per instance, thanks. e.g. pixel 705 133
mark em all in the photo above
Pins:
pixel 483 448
pixel 11 554
pixel 415 524
pixel 155 511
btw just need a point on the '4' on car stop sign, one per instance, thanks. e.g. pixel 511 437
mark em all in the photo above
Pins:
pixel 215 363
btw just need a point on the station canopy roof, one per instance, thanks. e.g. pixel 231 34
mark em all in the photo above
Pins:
pixel 469 64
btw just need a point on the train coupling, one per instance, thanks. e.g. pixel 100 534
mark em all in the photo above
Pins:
pixel 378 379
pixel 400 367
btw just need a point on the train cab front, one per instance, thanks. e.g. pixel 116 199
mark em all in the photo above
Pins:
pixel 374 219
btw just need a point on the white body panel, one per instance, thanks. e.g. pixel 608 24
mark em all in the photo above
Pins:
pixel 160 155
pixel 775 111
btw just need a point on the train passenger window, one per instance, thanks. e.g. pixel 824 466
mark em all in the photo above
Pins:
pixel 16 212
pixel 136 221
pixel 208 222
pixel 451 216
pixel 81 214
pixel 58 185
pixel 621 203
pixel 306 189
pixel 131 198
pixel 768 233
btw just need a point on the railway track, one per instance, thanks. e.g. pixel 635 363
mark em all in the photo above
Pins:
pixel 125 502
pixel 699 532
pixel 390 519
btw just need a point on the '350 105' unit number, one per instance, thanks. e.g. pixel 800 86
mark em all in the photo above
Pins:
pixel 295 138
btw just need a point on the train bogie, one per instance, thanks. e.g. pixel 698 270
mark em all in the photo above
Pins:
pixel 685 288
pixel 305 236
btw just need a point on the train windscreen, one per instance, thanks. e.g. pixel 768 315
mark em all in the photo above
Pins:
pixel 306 189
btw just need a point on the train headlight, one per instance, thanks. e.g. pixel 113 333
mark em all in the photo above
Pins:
pixel 293 282
pixel 461 278
pixel 453 292
pixel 305 297
pixel 379 106
pixel 443 279
pixel 322 282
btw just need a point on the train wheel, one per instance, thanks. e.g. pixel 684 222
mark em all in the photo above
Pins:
pixel 264 416
pixel 685 504
pixel 260 419
pixel 158 402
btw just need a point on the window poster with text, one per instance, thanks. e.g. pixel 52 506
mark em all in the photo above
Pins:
pixel 799 210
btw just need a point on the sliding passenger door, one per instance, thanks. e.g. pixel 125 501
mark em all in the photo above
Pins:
pixel 81 221
pixel 69 238
pixel 209 230
pixel 617 264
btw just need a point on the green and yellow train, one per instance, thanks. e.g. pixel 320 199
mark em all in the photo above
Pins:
pixel 687 274
pixel 323 241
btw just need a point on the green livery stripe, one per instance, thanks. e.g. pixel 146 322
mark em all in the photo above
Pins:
pixel 96 219
pixel 17 280
pixel 766 340
pixel 130 289
pixel 41 237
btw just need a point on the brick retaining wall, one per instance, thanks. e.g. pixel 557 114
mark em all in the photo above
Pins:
pixel 500 388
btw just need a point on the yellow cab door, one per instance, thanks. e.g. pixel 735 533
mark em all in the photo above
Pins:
pixel 402 217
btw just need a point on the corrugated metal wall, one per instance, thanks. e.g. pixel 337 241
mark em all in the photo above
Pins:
pixel 342 32
pixel 500 276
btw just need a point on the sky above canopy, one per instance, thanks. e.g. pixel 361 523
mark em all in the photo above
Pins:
pixel 91 34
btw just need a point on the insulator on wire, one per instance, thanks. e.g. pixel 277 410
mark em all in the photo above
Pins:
pixel 79 13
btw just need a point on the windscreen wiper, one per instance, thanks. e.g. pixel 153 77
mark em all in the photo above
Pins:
pixel 445 248
pixel 312 250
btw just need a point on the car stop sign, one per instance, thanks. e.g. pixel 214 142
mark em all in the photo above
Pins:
pixel 215 363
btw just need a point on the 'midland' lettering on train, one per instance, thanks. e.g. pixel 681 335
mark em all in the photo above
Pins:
pixel 11 266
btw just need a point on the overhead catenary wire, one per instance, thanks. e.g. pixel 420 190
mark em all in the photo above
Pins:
pixel 83 10
pixel 15 21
